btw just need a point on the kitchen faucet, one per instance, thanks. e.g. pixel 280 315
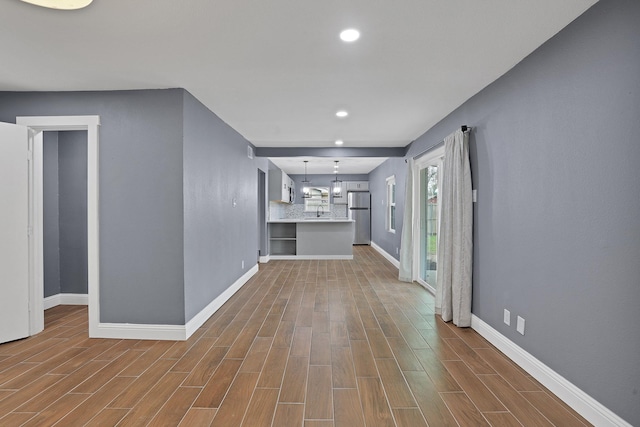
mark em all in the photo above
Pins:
pixel 318 210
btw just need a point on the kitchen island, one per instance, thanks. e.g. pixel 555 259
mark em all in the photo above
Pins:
pixel 311 238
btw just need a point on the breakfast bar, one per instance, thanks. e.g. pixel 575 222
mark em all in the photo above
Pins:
pixel 311 238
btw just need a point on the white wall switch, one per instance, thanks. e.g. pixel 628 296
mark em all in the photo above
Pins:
pixel 520 325
pixel 475 195
pixel 507 317
pixel 243 264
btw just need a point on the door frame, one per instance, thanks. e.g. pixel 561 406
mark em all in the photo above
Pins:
pixel 262 214
pixel 37 125
pixel 434 156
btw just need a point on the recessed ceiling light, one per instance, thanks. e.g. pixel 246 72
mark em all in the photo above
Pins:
pixel 350 35
pixel 61 4
pixel 339 142
pixel 342 113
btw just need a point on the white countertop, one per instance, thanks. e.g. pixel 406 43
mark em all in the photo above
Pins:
pixel 312 220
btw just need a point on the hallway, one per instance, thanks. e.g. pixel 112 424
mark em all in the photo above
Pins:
pixel 303 343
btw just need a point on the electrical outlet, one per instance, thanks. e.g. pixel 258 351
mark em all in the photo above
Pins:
pixel 520 325
pixel 507 317
pixel 243 264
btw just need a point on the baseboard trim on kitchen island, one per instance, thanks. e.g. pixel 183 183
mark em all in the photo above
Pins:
pixel 310 257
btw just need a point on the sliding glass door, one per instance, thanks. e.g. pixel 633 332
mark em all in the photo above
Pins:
pixel 428 173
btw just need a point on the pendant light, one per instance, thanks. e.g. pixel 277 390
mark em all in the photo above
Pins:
pixel 306 187
pixel 336 183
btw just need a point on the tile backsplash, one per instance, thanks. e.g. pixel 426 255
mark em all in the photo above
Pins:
pixel 286 211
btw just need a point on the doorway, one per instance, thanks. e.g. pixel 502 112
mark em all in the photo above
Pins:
pixel 65 218
pixel 262 216
pixel 37 126
pixel 428 172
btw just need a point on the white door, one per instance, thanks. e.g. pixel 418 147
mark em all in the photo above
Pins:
pixel 14 244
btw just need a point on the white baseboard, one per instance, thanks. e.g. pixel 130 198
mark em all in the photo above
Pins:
pixel 199 319
pixel 592 410
pixel 171 332
pixel 264 259
pixel 65 299
pixel 385 254
pixel 133 331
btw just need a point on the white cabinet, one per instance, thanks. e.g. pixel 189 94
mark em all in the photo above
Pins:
pixel 340 200
pixel 358 186
pixel 281 187
pixel 350 186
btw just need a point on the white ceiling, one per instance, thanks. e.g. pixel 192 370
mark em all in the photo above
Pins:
pixel 276 70
pixel 325 165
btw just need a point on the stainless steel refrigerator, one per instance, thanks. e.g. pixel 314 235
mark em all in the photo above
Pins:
pixel 359 209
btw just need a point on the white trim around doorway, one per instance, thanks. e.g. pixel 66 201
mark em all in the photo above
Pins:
pixel 37 125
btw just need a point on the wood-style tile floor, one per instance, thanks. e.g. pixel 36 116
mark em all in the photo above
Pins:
pixel 303 343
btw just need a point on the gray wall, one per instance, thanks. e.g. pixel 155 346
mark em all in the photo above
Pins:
pixel 389 242
pixel 72 182
pixel 51 223
pixel 141 206
pixel 217 236
pixel 555 154
pixel 170 240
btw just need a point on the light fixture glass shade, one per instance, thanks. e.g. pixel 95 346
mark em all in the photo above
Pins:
pixel 306 190
pixel 336 184
pixel 337 188
pixel 61 4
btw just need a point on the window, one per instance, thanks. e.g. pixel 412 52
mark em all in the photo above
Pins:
pixel 318 200
pixel 391 204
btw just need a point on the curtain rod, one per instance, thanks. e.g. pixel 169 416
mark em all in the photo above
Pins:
pixel 463 128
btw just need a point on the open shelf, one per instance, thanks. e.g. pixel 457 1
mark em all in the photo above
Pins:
pixel 283 247
pixel 282 238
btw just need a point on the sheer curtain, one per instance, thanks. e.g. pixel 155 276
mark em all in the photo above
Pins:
pixel 455 238
pixel 406 240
